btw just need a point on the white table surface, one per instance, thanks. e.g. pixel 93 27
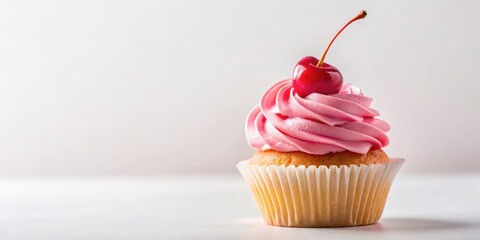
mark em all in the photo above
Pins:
pixel 218 207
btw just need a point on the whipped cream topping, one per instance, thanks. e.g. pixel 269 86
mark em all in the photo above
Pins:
pixel 317 124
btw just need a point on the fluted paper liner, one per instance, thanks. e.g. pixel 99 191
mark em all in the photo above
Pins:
pixel 320 196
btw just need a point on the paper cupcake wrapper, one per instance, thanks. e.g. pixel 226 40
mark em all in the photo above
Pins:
pixel 320 196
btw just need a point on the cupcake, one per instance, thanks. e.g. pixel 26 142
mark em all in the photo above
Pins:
pixel 319 159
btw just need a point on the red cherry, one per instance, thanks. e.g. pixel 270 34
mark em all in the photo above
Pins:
pixel 308 78
pixel 316 76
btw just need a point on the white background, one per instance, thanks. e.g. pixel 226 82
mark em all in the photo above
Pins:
pixel 160 87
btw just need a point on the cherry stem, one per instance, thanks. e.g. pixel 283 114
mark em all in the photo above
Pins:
pixel 360 15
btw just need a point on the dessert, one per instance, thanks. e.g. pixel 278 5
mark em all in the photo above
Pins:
pixel 320 161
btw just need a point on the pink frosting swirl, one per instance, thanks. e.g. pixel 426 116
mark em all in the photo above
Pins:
pixel 317 124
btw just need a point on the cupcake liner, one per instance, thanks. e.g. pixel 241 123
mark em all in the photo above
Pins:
pixel 320 196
